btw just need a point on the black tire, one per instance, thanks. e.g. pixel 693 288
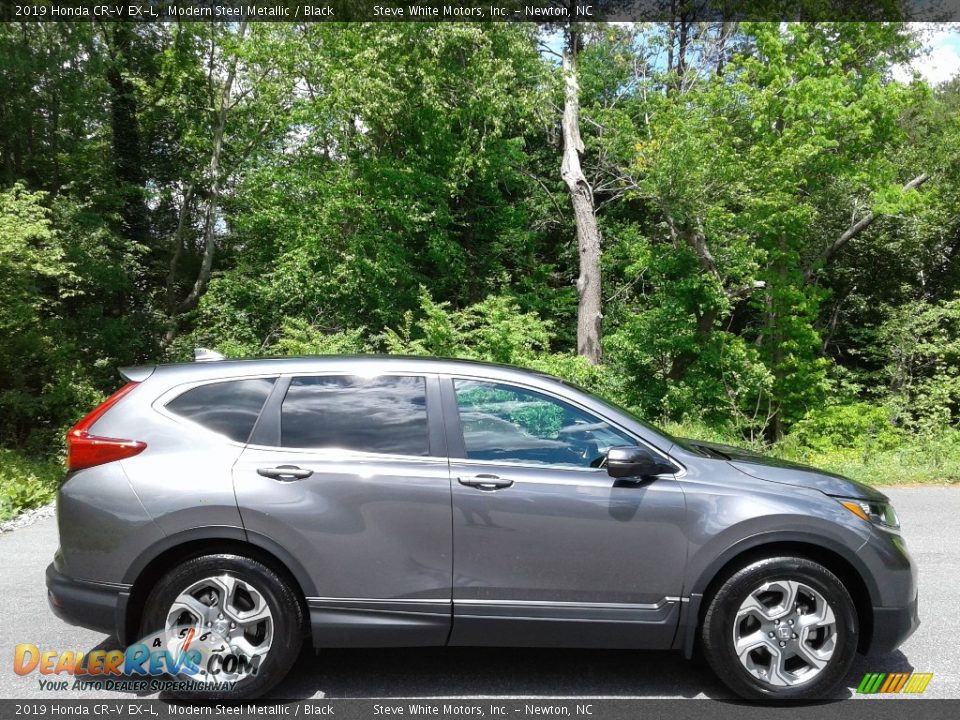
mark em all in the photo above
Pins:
pixel 285 608
pixel 717 633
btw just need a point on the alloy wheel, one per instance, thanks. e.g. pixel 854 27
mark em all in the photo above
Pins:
pixel 785 633
pixel 231 618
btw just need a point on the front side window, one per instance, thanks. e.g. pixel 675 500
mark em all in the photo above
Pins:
pixel 512 424
pixel 230 408
pixel 378 415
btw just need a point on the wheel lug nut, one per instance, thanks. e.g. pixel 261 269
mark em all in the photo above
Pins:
pixel 782 644
pixel 233 625
pixel 220 616
pixel 771 634
pixel 791 622
pixel 794 636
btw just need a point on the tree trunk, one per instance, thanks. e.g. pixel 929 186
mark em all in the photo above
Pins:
pixel 214 173
pixel 127 154
pixel 581 197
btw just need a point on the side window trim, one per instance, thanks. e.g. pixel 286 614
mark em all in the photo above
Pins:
pixel 437 439
pixel 457 444
pixel 266 432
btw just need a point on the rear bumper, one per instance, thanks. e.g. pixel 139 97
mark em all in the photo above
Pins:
pixel 892 626
pixel 96 606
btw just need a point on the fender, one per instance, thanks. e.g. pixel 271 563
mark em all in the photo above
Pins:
pixel 699 580
pixel 220 532
pixel 704 563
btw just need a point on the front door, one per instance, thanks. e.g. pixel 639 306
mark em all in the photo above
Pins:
pixel 349 475
pixel 548 548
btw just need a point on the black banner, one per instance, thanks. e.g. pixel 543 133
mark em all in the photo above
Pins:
pixel 486 709
pixel 536 11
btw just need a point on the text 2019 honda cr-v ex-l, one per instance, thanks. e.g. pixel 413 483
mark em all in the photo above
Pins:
pixel 229 512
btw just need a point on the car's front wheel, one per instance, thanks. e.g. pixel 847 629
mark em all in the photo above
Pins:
pixel 783 628
pixel 236 621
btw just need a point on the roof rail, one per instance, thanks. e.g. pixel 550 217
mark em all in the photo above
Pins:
pixel 202 354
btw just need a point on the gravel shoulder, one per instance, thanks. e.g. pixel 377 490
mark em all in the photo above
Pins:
pixel 28 518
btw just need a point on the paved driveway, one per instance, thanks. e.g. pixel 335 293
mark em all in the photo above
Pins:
pixel 931 520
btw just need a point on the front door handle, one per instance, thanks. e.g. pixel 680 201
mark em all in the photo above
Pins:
pixel 485 481
pixel 285 472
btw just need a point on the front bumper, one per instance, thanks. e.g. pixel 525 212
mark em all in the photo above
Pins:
pixel 97 606
pixel 892 626
pixel 895 596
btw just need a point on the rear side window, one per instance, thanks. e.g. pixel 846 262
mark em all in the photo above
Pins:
pixel 230 408
pixel 378 415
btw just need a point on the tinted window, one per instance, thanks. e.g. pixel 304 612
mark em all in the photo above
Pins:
pixel 230 408
pixel 504 422
pixel 381 414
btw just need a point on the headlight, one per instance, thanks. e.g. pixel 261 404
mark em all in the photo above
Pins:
pixel 880 514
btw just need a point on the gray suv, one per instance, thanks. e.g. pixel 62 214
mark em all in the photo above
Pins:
pixel 242 509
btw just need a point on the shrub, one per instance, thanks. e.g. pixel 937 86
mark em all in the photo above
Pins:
pixel 856 426
pixel 26 483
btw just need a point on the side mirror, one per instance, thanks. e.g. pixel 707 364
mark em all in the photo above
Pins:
pixel 635 462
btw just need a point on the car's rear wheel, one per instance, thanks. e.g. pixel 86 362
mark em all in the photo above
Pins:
pixel 242 621
pixel 783 628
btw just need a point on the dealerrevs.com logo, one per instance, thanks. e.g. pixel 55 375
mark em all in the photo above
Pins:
pixel 178 659
pixel 894 683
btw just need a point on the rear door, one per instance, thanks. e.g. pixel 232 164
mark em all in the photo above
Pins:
pixel 349 475
pixel 548 548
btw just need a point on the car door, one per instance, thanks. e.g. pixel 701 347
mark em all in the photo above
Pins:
pixel 549 550
pixel 349 476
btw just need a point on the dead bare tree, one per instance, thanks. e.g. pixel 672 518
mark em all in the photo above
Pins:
pixel 589 311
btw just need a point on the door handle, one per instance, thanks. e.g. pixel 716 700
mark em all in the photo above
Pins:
pixel 285 472
pixel 485 481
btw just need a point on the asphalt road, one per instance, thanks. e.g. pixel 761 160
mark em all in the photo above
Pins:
pixel 931 522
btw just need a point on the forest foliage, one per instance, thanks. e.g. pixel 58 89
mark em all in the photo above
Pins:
pixel 778 217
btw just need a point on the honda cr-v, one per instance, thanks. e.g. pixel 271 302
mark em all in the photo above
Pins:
pixel 240 509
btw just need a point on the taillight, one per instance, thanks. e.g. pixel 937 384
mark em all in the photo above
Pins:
pixel 85 450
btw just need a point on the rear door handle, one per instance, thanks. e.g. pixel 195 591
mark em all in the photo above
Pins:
pixel 485 481
pixel 285 472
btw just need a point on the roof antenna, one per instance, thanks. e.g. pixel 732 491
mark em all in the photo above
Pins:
pixel 202 354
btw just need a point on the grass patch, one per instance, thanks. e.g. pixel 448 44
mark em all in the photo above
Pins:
pixel 910 463
pixel 26 483
pixel 905 460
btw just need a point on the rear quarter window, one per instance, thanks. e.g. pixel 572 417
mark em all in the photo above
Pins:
pixel 230 407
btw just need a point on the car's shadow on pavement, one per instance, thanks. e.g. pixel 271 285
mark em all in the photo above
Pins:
pixel 525 672
pixel 446 672
pixel 108 644
pixel 453 672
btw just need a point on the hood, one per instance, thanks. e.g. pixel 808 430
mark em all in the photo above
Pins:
pixel 789 473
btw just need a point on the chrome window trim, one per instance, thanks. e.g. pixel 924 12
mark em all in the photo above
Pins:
pixel 346 455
